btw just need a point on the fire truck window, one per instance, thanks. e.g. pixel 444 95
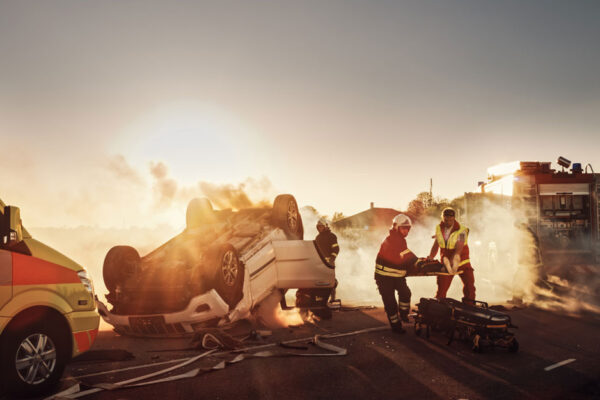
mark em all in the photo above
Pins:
pixel 547 203
pixel 578 202
pixel 562 201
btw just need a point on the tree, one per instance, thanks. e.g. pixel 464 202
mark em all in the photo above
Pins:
pixel 338 215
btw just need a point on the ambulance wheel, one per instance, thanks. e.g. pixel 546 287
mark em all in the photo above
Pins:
pixel 120 263
pixel 33 359
pixel 287 216
pixel 514 346
pixel 228 273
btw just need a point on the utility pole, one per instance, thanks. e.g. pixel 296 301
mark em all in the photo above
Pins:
pixel 430 192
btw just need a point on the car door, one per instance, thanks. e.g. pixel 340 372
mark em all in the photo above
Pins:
pixel 299 265
pixel 5 277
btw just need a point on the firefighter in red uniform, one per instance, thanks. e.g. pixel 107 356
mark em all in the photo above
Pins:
pixel 393 261
pixel 451 238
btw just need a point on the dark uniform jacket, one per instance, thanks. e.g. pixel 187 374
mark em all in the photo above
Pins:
pixel 328 246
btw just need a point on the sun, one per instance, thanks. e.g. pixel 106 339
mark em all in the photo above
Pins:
pixel 196 141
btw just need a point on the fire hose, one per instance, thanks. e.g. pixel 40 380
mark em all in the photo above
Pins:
pixel 78 390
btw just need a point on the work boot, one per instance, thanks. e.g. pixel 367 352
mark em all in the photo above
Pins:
pixel 397 328
pixel 404 317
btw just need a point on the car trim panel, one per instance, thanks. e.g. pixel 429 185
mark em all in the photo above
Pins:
pixel 252 275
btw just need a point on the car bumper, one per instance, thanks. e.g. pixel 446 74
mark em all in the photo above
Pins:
pixel 206 307
pixel 84 325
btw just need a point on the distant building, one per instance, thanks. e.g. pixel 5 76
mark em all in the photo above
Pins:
pixel 372 219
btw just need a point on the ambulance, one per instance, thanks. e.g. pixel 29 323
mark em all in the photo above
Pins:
pixel 47 310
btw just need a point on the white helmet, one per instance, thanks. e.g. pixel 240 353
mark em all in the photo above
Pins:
pixel 401 220
pixel 323 222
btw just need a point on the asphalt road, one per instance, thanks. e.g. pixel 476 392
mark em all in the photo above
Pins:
pixel 378 365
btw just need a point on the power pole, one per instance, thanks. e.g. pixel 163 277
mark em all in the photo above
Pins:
pixel 430 192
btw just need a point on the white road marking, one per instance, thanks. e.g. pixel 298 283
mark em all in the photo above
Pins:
pixel 559 364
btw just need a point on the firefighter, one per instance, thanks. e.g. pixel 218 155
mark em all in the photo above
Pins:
pixel 327 244
pixel 393 261
pixel 451 238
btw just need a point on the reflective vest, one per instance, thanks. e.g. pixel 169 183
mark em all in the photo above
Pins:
pixel 447 246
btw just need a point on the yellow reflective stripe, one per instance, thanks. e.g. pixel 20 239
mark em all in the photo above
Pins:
pixel 387 269
pixel 335 245
pixel 398 274
pixel 405 252
pixel 440 237
pixel 464 262
pixel 334 254
pixel 394 318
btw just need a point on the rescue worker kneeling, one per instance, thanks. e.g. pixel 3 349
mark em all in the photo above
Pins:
pixel 327 244
pixel 393 260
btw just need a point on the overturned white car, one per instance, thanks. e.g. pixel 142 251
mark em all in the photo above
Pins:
pixel 216 271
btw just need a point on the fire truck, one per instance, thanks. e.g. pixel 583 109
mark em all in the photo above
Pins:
pixel 560 209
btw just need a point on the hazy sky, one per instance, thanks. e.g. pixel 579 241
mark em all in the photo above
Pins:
pixel 338 102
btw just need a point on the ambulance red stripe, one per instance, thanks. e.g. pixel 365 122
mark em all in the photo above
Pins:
pixel 29 270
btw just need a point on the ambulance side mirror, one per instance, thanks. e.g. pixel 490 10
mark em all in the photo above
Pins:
pixel 12 230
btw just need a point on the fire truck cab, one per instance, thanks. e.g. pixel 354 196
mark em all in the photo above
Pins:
pixel 561 208
pixel 47 310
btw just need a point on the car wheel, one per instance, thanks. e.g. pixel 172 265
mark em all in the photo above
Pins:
pixel 33 359
pixel 199 212
pixel 228 273
pixel 120 263
pixel 287 216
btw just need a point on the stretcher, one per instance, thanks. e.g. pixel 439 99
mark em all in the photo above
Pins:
pixel 426 267
pixel 469 322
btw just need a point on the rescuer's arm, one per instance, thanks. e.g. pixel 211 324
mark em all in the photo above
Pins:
pixel 335 249
pixel 434 249
pixel 457 251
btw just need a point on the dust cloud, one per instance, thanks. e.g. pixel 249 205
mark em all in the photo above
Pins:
pixel 117 204
pixel 495 255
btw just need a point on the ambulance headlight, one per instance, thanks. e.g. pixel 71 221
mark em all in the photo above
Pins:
pixel 86 281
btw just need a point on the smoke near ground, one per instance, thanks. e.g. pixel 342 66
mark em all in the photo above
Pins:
pixel 149 208
pixel 501 253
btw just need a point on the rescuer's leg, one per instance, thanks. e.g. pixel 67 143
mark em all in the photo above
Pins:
pixel 403 299
pixel 468 285
pixel 443 283
pixel 321 297
pixel 387 290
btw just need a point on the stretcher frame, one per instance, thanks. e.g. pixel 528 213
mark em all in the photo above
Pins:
pixel 476 323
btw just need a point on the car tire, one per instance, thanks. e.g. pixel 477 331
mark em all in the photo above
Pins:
pixel 287 216
pixel 199 212
pixel 228 273
pixel 42 352
pixel 120 263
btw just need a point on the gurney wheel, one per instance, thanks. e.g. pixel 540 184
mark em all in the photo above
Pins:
pixel 514 346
